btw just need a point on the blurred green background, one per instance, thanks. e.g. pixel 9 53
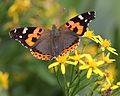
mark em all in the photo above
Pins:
pixel 29 76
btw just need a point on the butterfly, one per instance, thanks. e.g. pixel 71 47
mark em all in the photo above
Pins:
pixel 47 44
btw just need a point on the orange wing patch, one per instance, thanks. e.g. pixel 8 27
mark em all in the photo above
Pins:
pixel 71 48
pixel 34 36
pixel 41 56
pixel 76 27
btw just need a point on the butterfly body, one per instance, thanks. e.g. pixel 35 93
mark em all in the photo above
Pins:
pixel 46 44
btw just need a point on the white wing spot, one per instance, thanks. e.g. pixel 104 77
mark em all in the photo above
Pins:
pixel 15 31
pixel 87 29
pixel 16 39
pixel 30 50
pixel 19 41
pixel 24 31
pixel 88 24
pixel 20 36
pixel 90 21
pixel 86 20
pixel 81 17
pixel 25 46
pixel 89 13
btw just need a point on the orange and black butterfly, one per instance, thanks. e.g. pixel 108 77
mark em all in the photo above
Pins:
pixel 47 44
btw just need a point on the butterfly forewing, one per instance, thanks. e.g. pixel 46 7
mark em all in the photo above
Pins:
pixel 26 36
pixel 79 23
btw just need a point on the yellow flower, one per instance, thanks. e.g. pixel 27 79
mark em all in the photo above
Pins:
pixel 110 86
pixel 4 80
pixel 18 7
pixel 110 74
pixel 52 7
pixel 106 58
pixel 109 77
pixel 92 66
pixel 89 34
pixel 113 87
pixel 106 44
pixel 118 83
pixel 77 57
pixel 62 61
pixel 105 87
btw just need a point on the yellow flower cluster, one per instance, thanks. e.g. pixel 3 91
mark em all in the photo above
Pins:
pixel 4 80
pixel 107 86
pixel 105 44
pixel 62 60
pixel 93 64
pixel 17 8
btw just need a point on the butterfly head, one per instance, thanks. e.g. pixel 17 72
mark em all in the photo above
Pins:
pixel 55 31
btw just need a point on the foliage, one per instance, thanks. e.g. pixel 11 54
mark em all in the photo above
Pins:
pixel 96 65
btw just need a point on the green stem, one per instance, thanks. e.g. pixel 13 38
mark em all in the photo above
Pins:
pixel 72 72
pixel 74 79
pixel 84 46
pixel 72 94
pixel 92 91
pixel 56 74
pixel 80 79
pixel 87 84
pixel 65 86
pixel 98 53
pixel 86 42
pixel 71 77
pixel 116 93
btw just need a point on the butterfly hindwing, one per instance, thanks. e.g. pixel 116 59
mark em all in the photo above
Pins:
pixel 69 41
pixel 79 23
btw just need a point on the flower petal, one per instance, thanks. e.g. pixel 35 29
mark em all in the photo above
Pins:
pixel 63 68
pixel 88 56
pixel 89 73
pixel 53 65
pixel 76 52
pixel 98 71
pixel 114 87
pixel 103 49
pixel 118 83
pixel 99 63
pixel 82 62
pixel 95 38
pixel 83 67
pixel 72 63
pixel 112 50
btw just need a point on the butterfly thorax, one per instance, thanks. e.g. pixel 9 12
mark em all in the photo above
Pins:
pixel 55 31
pixel 55 37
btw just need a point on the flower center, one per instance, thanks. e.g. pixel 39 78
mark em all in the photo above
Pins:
pixel 92 64
pixel 106 59
pixel 62 59
pixel 89 34
pixel 106 43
